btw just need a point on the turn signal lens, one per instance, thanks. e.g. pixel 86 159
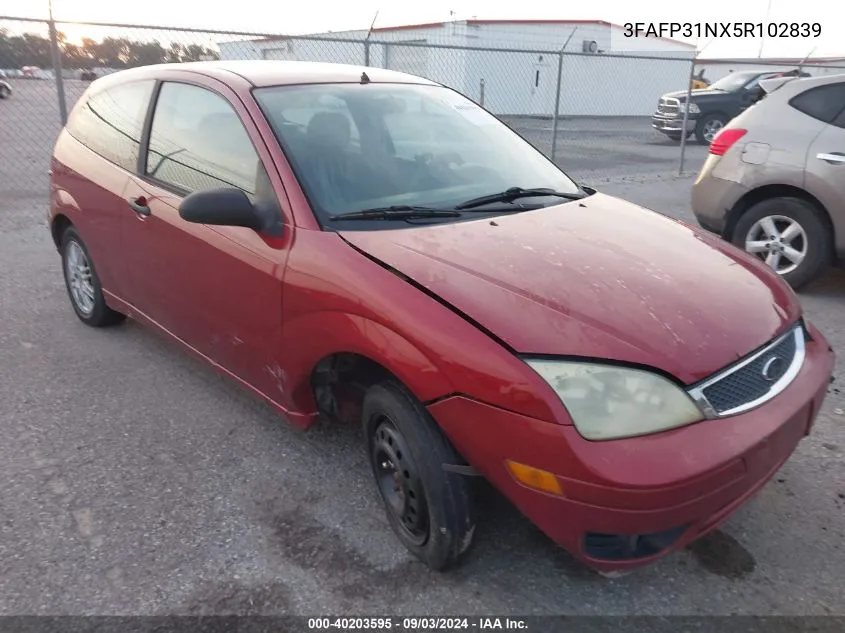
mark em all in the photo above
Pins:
pixel 535 478
pixel 725 139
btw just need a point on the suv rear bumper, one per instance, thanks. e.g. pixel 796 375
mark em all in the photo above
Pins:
pixel 712 198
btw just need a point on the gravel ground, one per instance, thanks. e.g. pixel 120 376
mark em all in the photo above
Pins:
pixel 137 481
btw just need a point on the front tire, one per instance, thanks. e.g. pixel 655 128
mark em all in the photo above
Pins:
pixel 788 234
pixel 83 284
pixel 708 126
pixel 429 508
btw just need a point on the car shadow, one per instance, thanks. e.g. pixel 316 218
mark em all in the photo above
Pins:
pixel 829 285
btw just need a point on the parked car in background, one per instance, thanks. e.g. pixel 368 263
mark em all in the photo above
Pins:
pixel 374 248
pixel 34 72
pixel 711 108
pixel 774 181
pixel 5 86
pixel 87 75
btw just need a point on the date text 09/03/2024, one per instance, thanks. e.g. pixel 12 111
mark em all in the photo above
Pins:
pixel 700 30
pixel 424 623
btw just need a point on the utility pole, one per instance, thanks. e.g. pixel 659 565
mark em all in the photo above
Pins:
pixel 367 40
pixel 57 64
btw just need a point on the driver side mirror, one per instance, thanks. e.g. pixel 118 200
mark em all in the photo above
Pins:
pixel 226 206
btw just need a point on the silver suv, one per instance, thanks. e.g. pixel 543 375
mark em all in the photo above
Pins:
pixel 774 181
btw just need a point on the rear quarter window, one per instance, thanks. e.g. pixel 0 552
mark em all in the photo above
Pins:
pixel 824 103
pixel 110 122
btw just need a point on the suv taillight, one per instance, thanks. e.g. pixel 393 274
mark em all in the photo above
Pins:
pixel 725 139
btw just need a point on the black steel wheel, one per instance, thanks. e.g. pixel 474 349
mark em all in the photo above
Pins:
pixel 429 508
pixel 398 480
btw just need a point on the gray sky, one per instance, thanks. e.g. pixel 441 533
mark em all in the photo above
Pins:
pixel 318 16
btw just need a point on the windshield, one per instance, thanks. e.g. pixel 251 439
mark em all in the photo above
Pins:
pixel 736 81
pixel 365 146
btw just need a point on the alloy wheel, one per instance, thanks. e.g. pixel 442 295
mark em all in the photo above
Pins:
pixel 711 128
pixel 779 241
pixel 79 279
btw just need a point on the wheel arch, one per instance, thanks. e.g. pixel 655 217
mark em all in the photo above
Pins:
pixel 58 225
pixel 332 357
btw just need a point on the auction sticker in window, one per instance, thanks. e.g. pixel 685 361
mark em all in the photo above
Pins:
pixel 469 110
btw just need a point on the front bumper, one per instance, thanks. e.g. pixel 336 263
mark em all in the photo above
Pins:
pixel 669 124
pixel 675 486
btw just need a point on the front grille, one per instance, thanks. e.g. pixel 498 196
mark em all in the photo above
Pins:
pixel 667 106
pixel 756 379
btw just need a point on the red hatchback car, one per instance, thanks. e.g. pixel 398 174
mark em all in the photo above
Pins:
pixel 373 247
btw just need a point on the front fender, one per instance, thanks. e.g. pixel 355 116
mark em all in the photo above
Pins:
pixel 309 338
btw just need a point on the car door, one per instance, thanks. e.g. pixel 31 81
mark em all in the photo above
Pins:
pixel 824 175
pixel 109 124
pixel 217 288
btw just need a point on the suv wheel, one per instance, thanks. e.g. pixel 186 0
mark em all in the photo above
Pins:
pixel 429 508
pixel 707 128
pixel 790 235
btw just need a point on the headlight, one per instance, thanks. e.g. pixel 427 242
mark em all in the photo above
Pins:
pixel 693 108
pixel 608 402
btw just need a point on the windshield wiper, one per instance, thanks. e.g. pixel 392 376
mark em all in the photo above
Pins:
pixel 402 212
pixel 509 195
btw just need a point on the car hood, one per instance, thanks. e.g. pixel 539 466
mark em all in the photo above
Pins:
pixel 702 93
pixel 599 278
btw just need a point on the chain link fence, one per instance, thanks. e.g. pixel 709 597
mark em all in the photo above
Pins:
pixel 719 90
pixel 591 113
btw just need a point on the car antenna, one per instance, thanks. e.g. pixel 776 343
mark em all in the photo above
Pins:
pixel 801 63
pixel 365 78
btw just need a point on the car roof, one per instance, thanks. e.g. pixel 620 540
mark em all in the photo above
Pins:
pixel 261 73
pixel 799 84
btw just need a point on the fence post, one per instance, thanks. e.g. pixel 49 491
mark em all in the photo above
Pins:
pixel 481 92
pixel 557 102
pixel 686 116
pixel 366 52
pixel 57 70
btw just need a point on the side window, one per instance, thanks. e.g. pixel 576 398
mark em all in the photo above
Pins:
pixel 840 120
pixel 110 122
pixel 198 142
pixel 824 103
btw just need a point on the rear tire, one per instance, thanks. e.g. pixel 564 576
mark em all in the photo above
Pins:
pixel 811 237
pixel 429 508
pixel 83 284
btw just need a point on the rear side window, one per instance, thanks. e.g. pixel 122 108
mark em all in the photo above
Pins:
pixel 198 142
pixel 824 103
pixel 110 122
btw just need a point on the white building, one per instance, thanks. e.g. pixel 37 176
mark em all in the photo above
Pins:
pixel 511 66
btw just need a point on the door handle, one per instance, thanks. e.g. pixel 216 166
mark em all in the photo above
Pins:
pixel 833 157
pixel 140 206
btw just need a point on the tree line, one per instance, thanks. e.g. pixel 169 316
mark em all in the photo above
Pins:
pixel 31 49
